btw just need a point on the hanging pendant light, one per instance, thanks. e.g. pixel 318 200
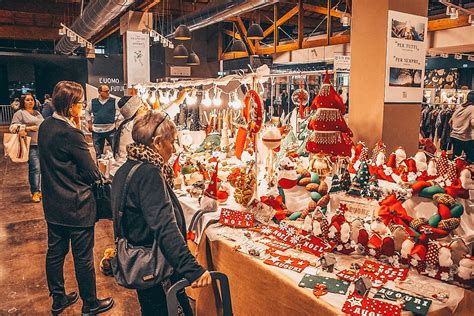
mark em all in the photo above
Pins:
pixel 182 33
pixel 238 47
pixel 193 59
pixel 180 51
pixel 255 32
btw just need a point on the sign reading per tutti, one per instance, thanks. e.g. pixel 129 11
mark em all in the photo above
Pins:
pixel 406 56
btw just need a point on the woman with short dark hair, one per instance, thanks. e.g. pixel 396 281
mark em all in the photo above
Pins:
pixel 151 211
pixel 69 205
pixel 26 122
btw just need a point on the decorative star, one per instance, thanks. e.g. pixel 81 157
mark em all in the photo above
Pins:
pixel 274 259
pixel 426 230
pixel 300 263
pixel 354 301
pixel 289 261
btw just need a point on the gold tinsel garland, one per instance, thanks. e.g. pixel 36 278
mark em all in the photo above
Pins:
pixel 326 138
pixel 325 114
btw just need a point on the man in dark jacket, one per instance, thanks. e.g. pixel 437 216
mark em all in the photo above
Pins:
pixel 47 107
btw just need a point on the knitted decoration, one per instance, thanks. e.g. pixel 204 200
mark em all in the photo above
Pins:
pixel 335 184
pixel 331 135
pixel 345 180
pixel 379 147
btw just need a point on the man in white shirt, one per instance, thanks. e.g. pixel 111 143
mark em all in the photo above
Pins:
pixel 101 115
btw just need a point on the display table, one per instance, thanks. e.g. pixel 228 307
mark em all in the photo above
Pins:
pixel 257 288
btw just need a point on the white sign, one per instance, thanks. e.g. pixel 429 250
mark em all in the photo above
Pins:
pixel 406 55
pixel 138 58
pixel 342 63
pixel 180 71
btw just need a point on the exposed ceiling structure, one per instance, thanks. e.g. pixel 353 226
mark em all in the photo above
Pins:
pixel 39 20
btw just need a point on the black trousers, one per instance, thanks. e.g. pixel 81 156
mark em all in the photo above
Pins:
pixel 467 146
pixel 82 242
pixel 99 141
pixel 153 300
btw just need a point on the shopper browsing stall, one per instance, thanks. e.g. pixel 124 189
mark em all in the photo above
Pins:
pixel 25 122
pixel 69 205
pixel 151 211
pixel 462 123
pixel 101 115
pixel 130 108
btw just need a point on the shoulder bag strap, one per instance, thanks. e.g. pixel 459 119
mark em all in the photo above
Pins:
pixel 118 226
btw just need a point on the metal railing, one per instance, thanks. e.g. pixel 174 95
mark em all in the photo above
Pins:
pixel 6 114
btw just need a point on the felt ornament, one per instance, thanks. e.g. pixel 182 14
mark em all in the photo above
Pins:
pixel 378 226
pixel 432 254
pixel 459 249
pixel 388 246
pixel 392 211
pixel 287 176
pixel 330 135
pixel 460 164
pixel 355 153
pixel 412 174
pixel 466 179
pixel 345 180
pixel 432 170
pixel 363 237
pixel 363 305
pixel 445 259
pixel 380 159
pixel 399 234
pixel 416 305
pixel 420 160
pixel 466 270
pixel 332 285
pixel 400 155
pixel 407 247
pixel 356 225
pixel 379 148
pixel 446 170
pixel 335 184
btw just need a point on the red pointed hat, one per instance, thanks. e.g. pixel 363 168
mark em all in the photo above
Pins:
pixel 411 164
pixel 176 166
pixel 461 164
pixel 392 161
pixel 211 190
pixel 328 97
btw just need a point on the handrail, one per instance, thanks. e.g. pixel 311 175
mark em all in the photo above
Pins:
pixel 6 114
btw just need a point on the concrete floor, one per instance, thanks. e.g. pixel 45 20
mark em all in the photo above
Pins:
pixel 23 244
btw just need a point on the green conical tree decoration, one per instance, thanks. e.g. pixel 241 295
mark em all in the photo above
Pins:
pixel 360 183
pixel 345 181
pixel 335 184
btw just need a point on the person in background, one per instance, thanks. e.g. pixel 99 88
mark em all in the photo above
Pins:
pixel 26 121
pixel 15 104
pixel 130 108
pixel 47 107
pixel 152 211
pixel 101 115
pixel 462 124
pixel 69 205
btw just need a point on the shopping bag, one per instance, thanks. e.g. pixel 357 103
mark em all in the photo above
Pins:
pixel 16 147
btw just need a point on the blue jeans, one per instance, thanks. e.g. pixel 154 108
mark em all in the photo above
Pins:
pixel 99 141
pixel 34 175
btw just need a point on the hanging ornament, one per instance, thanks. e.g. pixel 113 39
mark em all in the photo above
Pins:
pixel 253 116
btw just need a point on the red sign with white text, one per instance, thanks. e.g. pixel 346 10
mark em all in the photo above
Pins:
pixel 237 219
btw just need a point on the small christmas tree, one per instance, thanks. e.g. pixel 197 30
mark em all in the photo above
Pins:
pixel 361 180
pixel 373 188
pixel 335 184
pixel 330 135
pixel 345 181
pixel 303 136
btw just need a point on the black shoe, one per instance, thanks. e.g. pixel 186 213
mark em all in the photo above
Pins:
pixel 100 307
pixel 60 303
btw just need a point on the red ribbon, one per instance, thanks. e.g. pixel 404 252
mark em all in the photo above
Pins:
pixel 392 211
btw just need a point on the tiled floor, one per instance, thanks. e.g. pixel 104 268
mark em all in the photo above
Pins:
pixel 23 289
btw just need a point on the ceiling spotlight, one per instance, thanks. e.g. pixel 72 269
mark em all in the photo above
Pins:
pixel 193 59
pixel 182 33
pixel 255 32
pixel 458 56
pixel 238 47
pixel 444 55
pixel 345 20
pixel 180 52
pixel 453 14
pixel 217 101
pixel 153 98
pixel 470 57
pixel 432 54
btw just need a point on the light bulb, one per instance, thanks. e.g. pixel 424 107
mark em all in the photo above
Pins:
pixel 206 101
pixel 174 96
pixel 153 97
pixel 217 101
pixel 166 97
pixel 191 98
pixel 162 97
pixel 236 104
pixel 144 98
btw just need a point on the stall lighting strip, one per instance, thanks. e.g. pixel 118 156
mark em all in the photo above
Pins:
pixel 453 11
pixel 157 37
pixel 74 37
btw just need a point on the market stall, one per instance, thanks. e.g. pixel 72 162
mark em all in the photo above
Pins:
pixel 289 207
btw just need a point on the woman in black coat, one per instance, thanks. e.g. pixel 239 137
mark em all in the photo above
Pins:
pixel 68 171
pixel 152 211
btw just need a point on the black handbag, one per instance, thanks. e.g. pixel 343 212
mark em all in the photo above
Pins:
pixel 102 189
pixel 136 267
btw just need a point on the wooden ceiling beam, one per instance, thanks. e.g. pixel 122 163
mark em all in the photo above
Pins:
pixel 228 56
pixel 21 32
pixel 447 23
pixel 232 34
pixel 321 10
pixel 288 15
pixel 37 7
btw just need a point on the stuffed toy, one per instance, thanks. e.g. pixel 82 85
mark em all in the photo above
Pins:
pixel 105 266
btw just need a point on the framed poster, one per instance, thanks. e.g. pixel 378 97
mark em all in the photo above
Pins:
pixel 406 55
pixel 138 58
pixel 342 63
